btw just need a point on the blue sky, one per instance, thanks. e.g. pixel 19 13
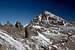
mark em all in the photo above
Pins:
pixel 26 10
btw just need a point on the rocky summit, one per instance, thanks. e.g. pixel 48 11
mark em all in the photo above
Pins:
pixel 46 31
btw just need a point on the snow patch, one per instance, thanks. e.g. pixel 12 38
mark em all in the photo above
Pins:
pixel 18 45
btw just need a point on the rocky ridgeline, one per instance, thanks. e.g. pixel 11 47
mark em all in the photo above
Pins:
pixel 16 30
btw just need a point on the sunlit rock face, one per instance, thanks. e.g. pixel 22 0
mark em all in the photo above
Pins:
pixel 45 32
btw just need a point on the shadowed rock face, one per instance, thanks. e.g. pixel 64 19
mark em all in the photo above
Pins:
pixel 30 31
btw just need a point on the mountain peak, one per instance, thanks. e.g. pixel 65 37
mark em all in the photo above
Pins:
pixel 48 18
pixel 49 13
pixel 49 32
